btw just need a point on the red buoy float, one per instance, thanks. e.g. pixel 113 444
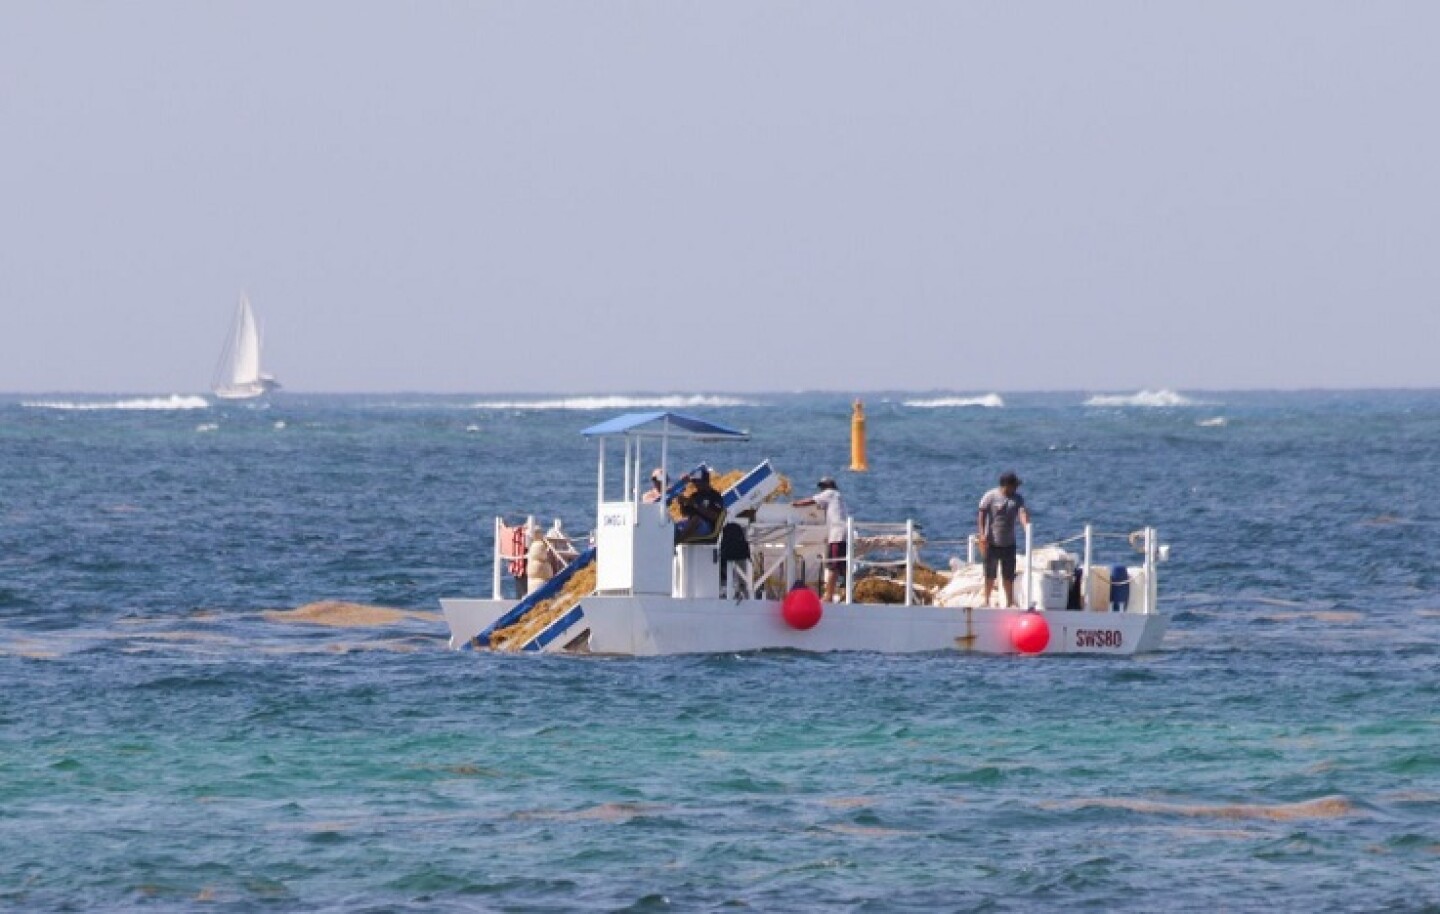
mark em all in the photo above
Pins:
pixel 1029 633
pixel 801 608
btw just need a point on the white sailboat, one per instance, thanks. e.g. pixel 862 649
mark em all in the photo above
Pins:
pixel 238 376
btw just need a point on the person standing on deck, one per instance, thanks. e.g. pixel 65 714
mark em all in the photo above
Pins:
pixel 836 514
pixel 999 509
pixel 538 569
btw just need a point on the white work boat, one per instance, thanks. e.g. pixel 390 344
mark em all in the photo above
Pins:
pixel 634 591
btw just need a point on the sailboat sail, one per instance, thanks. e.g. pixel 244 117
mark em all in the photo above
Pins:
pixel 238 376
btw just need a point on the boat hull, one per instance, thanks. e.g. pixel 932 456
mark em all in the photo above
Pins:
pixel 660 625
pixel 247 391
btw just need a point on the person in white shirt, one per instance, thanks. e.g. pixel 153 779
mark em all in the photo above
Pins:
pixel 836 514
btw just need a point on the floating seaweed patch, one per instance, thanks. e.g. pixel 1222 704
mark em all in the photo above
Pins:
pixel 603 812
pixel 342 615
pixel 865 831
pixel 29 649
pixel 1334 807
pixel 1331 617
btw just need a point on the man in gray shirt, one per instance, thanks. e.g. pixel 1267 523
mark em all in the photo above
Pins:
pixel 999 509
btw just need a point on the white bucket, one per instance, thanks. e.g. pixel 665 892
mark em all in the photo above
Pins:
pixel 1054 589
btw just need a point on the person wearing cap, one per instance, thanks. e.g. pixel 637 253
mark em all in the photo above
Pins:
pixel 836 514
pixel 702 509
pixel 999 510
pixel 657 487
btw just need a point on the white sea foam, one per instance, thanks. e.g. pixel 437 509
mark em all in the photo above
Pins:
pixel 988 401
pixel 1160 398
pixel 207 427
pixel 1216 422
pixel 174 401
pixel 671 401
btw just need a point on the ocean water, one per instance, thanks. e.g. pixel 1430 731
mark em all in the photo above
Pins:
pixel 174 738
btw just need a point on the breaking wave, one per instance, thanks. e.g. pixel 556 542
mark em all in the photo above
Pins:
pixel 676 401
pixel 174 401
pixel 1161 398
pixel 989 401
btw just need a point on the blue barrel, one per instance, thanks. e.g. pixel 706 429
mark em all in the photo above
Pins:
pixel 1119 587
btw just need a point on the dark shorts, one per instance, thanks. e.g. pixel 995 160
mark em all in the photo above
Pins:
pixel 1002 557
pixel 835 560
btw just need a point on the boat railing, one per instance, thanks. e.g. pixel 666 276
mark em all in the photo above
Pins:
pixel 558 546
pixel 1145 541
pixel 882 538
pixel 761 538
pixel 873 545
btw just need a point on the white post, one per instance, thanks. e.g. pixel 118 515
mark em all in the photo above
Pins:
pixel 1145 569
pixel 1029 571
pixel 1151 567
pixel 632 470
pixel 970 549
pixel 750 574
pixel 1085 578
pixel 789 561
pixel 600 483
pixel 849 560
pixel 498 562
pixel 909 560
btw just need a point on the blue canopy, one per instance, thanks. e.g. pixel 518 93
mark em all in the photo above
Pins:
pixel 673 425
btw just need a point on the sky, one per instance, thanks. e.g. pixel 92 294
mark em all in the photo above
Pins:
pixel 594 197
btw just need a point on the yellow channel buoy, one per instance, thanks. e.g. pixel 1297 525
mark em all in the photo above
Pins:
pixel 857 439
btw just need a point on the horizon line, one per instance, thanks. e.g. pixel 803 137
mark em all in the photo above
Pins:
pixel 835 391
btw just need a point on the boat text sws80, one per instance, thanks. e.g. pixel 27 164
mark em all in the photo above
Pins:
pixel 750 581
